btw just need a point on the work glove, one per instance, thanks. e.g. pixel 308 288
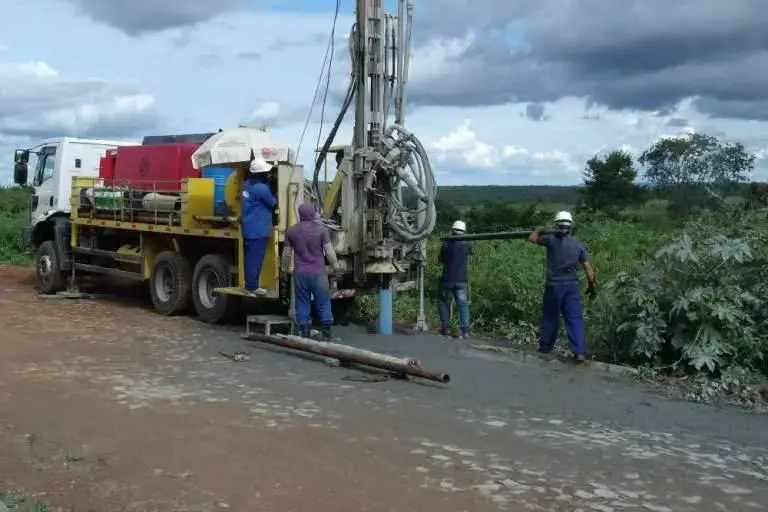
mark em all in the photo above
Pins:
pixel 592 290
pixel 338 269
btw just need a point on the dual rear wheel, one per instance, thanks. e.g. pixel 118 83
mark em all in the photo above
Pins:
pixel 174 285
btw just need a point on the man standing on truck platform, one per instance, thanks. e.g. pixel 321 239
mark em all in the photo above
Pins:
pixel 561 290
pixel 310 244
pixel 454 283
pixel 257 207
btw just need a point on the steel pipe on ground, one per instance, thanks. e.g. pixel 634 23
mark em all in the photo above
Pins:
pixel 352 355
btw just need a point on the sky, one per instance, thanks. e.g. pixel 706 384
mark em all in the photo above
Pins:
pixel 505 92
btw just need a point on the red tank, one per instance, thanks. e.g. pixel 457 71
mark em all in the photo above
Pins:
pixel 107 166
pixel 158 167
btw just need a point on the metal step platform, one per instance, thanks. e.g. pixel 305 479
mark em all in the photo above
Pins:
pixel 267 321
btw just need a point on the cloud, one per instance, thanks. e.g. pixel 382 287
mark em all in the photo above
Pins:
pixel 282 43
pixel 251 56
pixel 38 102
pixel 638 54
pixel 462 148
pixel 535 112
pixel 139 17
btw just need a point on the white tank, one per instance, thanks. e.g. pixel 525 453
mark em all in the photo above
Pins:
pixel 155 202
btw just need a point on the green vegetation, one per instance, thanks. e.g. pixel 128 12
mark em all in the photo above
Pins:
pixel 14 203
pixel 20 502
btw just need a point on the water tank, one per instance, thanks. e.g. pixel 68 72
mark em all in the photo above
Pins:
pixel 220 175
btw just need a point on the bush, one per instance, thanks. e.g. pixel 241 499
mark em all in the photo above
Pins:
pixel 700 303
pixel 14 203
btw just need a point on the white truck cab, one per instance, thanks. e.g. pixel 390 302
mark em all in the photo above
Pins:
pixel 52 165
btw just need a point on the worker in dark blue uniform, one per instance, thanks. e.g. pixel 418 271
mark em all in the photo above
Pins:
pixel 454 282
pixel 562 294
pixel 257 207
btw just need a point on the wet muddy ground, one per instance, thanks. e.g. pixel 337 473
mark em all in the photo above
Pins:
pixel 106 406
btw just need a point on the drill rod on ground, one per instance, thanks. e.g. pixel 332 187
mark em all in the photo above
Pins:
pixel 349 354
pixel 501 235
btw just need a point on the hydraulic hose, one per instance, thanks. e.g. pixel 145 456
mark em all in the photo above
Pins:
pixel 408 224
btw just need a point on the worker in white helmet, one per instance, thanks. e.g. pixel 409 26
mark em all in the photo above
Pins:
pixel 561 290
pixel 256 214
pixel 454 256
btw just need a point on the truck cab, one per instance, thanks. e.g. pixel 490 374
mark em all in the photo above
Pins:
pixel 51 165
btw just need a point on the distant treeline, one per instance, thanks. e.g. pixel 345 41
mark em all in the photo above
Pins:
pixel 528 194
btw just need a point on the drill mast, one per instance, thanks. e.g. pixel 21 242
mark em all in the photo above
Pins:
pixel 377 231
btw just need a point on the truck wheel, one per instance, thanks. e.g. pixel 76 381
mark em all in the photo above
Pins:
pixel 170 283
pixel 50 278
pixel 212 271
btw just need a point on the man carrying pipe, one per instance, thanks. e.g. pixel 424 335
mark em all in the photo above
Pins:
pixel 310 244
pixel 561 290
pixel 454 256
pixel 257 207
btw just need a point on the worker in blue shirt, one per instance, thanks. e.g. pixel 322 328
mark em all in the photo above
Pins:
pixel 257 207
pixel 454 256
pixel 562 294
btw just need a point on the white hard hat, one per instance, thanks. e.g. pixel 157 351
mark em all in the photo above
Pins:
pixel 258 165
pixel 459 226
pixel 563 218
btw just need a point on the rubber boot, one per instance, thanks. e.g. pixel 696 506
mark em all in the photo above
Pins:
pixel 304 331
pixel 325 332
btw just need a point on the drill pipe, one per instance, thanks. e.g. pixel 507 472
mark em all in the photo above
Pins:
pixel 501 235
pixel 353 355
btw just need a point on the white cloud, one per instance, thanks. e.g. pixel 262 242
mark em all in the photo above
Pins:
pixel 462 147
pixel 267 111
pixel 35 100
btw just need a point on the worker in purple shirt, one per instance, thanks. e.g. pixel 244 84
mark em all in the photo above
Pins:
pixel 561 290
pixel 310 245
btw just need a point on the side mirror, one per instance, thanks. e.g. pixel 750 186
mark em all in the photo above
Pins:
pixel 20 174
pixel 21 156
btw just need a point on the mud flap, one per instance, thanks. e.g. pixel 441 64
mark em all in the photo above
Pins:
pixel 61 235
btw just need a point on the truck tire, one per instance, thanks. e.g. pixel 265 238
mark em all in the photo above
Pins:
pixel 50 278
pixel 213 271
pixel 170 283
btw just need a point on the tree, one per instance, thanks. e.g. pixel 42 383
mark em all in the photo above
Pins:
pixel 447 213
pixel 609 182
pixel 696 169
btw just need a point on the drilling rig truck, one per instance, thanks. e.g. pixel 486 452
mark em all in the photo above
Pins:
pixel 166 210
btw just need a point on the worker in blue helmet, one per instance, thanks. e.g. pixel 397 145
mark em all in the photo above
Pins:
pixel 257 208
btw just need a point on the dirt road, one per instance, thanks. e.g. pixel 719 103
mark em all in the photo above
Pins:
pixel 105 406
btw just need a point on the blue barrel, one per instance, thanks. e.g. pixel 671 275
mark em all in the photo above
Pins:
pixel 220 176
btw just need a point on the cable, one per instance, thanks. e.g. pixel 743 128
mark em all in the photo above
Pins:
pixel 328 52
pixel 332 46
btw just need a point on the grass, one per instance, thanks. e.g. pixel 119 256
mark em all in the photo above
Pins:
pixel 13 216
pixel 21 502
